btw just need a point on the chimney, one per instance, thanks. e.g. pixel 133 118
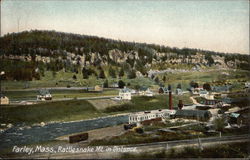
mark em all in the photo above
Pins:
pixel 170 98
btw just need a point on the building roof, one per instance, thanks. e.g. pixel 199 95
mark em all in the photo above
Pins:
pixel 193 113
pixel 143 88
pixel 43 92
pixel 153 112
pixel 165 89
pixel 125 90
pixel 203 92
pixel 234 115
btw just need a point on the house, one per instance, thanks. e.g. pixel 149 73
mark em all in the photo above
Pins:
pixel 144 91
pixel 149 93
pixel 179 91
pixel 247 84
pixel 4 100
pixel 44 94
pixel 98 88
pixel 163 90
pixel 193 114
pixel 114 85
pixel 232 118
pixel 203 93
pixel 125 94
pixel 148 115
pixel 196 91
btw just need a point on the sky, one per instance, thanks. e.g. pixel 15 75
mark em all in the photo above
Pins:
pixel 215 25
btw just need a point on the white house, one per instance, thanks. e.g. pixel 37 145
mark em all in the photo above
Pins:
pixel 203 93
pixel 125 94
pixel 179 91
pixel 44 95
pixel 147 115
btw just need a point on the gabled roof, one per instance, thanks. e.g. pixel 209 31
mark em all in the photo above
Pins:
pixel 125 90
pixel 234 115
pixel 43 92
pixel 165 89
pixel 203 92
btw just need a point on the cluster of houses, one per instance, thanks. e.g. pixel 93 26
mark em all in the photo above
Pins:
pixel 126 93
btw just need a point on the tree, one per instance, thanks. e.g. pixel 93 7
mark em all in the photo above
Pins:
pixel 157 80
pixel 112 72
pixel 207 86
pixel 121 73
pixel 164 79
pixel 74 77
pixel 85 74
pixel 152 76
pixel 137 87
pixel 102 74
pixel 106 84
pixel 179 86
pixel 121 84
pixel 194 84
pixel 219 124
pixel 132 74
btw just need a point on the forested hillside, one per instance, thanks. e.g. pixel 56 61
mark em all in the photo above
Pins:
pixel 27 55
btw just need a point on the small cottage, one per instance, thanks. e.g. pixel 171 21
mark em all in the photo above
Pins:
pixel 44 94
pixel 144 91
pixel 179 91
pixel 163 90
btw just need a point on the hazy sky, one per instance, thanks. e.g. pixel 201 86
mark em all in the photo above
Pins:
pixel 212 25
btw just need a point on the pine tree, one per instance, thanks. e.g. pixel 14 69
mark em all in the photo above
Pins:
pixel 112 72
pixel 132 74
pixel 85 73
pixel 106 84
pixel 121 84
pixel 164 79
pixel 102 74
pixel 121 73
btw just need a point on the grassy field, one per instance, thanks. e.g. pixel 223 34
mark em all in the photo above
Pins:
pixel 46 112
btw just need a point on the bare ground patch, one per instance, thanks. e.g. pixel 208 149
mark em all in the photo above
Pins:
pixel 101 104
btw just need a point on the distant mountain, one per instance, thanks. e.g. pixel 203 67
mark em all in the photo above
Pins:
pixel 24 54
